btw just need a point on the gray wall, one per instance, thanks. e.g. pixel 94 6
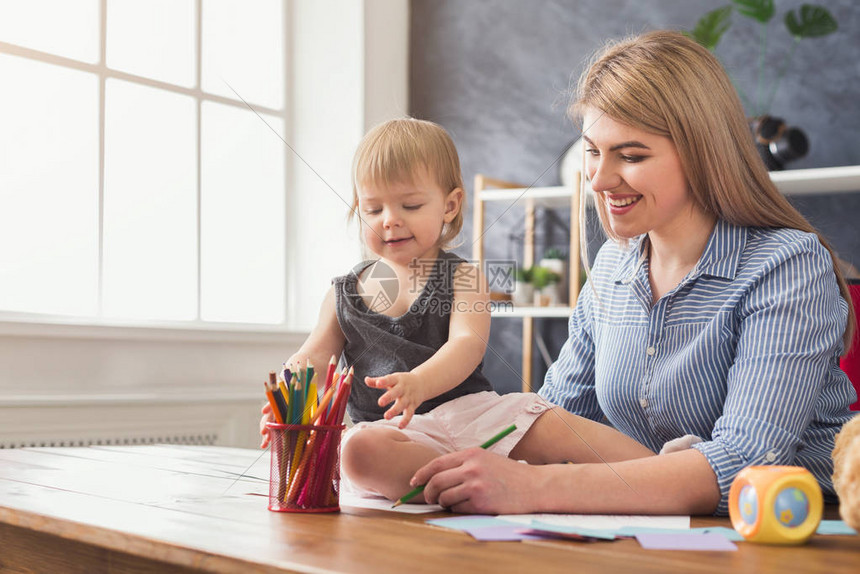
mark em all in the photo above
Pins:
pixel 496 74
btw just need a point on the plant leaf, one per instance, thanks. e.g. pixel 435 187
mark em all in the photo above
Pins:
pixel 761 10
pixel 814 22
pixel 711 27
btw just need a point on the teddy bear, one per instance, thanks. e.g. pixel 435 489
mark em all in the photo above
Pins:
pixel 846 472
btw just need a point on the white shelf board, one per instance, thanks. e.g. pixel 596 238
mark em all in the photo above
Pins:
pixel 818 180
pixel 843 179
pixel 558 196
pixel 562 312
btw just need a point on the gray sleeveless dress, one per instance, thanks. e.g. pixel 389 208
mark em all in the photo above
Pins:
pixel 378 345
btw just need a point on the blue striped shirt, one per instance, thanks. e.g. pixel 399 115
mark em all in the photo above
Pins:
pixel 743 353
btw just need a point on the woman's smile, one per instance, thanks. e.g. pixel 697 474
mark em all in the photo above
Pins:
pixel 619 205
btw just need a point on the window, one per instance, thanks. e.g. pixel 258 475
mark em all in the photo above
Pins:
pixel 142 172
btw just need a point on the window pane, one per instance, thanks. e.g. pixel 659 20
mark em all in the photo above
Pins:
pixel 152 38
pixel 69 29
pixel 242 216
pixel 150 204
pixel 49 189
pixel 243 46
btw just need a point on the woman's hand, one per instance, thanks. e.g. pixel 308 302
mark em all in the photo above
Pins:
pixel 405 390
pixel 479 482
pixel 267 417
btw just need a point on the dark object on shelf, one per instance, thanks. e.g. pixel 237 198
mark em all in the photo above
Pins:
pixel 777 143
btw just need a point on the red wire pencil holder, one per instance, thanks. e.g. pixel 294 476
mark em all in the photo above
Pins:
pixel 305 468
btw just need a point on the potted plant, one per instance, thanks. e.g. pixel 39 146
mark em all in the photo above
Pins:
pixel 545 283
pixel 777 143
pixel 523 288
pixel 556 261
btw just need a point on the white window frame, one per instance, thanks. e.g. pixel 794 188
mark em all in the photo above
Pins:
pixel 368 40
pixel 9 319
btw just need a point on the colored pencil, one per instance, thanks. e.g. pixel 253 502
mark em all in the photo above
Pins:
pixel 276 411
pixel 309 376
pixel 332 365
pixel 280 402
pixel 343 396
pixel 312 401
pixel 323 406
pixel 334 385
pixel 285 394
pixel 419 489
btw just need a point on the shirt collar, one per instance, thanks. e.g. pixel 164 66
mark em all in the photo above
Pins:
pixel 723 250
pixel 632 261
pixel 719 259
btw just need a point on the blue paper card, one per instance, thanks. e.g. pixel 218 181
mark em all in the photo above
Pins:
pixel 471 522
pixel 834 527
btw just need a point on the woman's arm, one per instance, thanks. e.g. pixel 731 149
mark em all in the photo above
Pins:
pixel 469 330
pixel 784 379
pixel 569 381
pixel 477 481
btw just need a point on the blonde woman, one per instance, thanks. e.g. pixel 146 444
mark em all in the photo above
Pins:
pixel 711 326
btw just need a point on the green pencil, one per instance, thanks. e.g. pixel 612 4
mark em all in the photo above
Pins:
pixel 419 489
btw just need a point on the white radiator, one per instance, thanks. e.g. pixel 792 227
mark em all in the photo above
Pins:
pixel 217 419
pixel 209 439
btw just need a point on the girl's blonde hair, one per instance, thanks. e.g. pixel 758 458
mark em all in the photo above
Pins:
pixel 665 83
pixel 393 151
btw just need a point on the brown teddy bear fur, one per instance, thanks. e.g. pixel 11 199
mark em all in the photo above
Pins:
pixel 846 472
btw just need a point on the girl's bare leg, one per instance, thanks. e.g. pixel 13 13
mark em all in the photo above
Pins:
pixel 384 460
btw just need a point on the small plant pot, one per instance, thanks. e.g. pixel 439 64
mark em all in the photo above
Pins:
pixel 551 295
pixel 523 293
pixel 559 267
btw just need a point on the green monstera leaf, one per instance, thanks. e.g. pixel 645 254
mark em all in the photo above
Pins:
pixel 813 22
pixel 761 10
pixel 711 27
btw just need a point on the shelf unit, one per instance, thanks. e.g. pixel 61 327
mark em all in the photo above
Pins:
pixel 817 181
pixel 488 189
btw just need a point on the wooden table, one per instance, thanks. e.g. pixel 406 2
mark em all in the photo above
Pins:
pixel 168 508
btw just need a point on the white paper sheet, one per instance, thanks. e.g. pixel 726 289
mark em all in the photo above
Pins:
pixel 385 504
pixel 600 521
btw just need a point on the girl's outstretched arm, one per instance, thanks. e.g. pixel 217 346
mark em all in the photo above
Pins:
pixel 325 340
pixel 469 330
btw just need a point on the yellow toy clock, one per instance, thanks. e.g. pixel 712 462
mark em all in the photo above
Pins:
pixel 775 504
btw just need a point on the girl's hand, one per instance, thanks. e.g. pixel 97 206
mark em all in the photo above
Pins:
pixel 404 390
pixel 299 361
pixel 267 417
pixel 478 482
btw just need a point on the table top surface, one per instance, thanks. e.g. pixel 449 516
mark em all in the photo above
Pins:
pixel 205 508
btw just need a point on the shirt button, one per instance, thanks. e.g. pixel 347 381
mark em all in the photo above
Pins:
pixel 651 351
pixel 644 402
pixel 770 457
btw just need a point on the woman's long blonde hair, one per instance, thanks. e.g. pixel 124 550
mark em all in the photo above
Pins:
pixel 665 83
